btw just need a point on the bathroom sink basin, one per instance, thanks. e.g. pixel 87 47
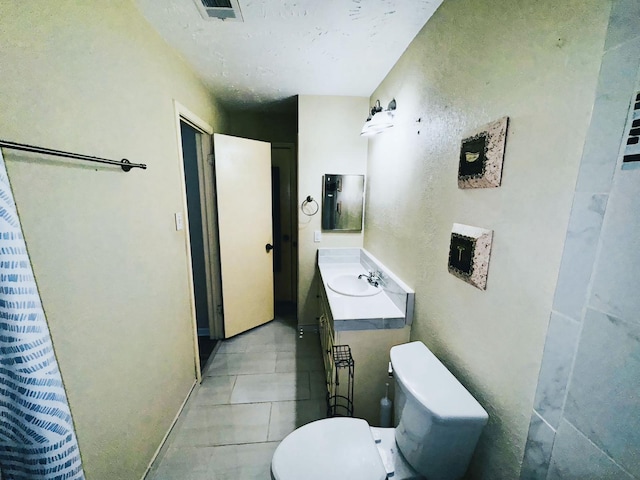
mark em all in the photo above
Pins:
pixel 353 286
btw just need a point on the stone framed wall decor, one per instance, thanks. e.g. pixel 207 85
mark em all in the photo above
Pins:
pixel 469 253
pixel 482 155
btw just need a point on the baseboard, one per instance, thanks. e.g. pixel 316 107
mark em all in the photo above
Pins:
pixel 166 435
pixel 203 332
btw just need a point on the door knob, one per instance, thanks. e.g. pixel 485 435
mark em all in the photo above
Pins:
pixel 268 247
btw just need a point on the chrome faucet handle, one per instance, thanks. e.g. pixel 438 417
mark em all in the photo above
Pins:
pixel 372 277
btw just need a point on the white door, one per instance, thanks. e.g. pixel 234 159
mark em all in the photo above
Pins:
pixel 243 187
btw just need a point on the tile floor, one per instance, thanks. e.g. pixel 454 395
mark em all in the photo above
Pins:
pixel 258 388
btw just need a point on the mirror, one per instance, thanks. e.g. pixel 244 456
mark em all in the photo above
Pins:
pixel 342 202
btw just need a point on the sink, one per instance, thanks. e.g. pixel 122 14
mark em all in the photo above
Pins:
pixel 353 286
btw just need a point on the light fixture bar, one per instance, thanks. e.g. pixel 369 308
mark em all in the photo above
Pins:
pixel 379 119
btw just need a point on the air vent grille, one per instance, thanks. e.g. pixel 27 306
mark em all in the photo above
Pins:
pixel 631 152
pixel 217 3
pixel 219 9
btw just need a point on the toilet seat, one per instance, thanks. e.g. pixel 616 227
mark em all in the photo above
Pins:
pixel 333 448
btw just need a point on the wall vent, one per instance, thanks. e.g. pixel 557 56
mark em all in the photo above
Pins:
pixel 631 141
pixel 632 149
pixel 227 10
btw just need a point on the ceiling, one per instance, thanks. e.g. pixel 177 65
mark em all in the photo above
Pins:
pixel 291 47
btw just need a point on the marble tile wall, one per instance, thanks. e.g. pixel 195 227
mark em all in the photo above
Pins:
pixel 586 417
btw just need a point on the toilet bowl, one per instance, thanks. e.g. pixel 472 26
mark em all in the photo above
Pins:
pixel 357 452
pixel 338 447
pixel 438 423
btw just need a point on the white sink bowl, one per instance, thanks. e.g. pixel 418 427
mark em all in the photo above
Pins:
pixel 353 286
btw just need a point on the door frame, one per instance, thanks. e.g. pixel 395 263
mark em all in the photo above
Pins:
pixel 206 198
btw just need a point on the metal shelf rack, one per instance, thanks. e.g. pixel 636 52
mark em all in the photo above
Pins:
pixel 340 384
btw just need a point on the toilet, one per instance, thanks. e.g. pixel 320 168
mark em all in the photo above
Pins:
pixel 438 423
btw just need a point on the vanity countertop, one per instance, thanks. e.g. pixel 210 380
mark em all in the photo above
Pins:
pixel 359 313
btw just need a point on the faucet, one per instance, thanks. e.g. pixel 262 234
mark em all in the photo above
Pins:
pixel 373 277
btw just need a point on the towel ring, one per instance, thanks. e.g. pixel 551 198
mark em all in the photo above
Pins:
pixel 306 202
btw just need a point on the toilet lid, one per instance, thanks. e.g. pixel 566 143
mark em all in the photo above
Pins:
pixel 335 448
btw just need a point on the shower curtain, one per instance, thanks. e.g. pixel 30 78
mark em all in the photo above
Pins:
pixel 37 440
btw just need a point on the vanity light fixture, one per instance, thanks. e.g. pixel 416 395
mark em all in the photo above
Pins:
pixel 379 119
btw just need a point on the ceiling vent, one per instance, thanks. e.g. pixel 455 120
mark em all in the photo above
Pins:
pixel 220 10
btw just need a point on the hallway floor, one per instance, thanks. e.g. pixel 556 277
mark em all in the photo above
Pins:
pixel 258 388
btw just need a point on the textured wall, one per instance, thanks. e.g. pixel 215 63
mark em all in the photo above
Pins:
pixel 472 63
pixel 586 418
pixel 95 78
pixel 329 141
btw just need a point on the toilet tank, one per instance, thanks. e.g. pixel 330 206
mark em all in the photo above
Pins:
pixel 438 422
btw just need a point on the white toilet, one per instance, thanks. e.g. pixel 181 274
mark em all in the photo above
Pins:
pixel 438 426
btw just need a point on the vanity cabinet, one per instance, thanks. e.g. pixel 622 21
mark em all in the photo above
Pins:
pixel 370 352
pixel 368 320
pixel 325 325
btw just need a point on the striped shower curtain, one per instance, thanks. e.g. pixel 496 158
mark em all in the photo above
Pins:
pixel 37 440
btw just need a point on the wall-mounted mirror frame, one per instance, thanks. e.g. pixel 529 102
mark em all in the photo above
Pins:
pixel 342 202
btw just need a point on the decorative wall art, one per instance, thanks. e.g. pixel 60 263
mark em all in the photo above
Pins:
pixel 482 155
pixel 469 254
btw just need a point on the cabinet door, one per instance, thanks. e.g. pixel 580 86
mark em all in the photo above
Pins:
pixel 326 341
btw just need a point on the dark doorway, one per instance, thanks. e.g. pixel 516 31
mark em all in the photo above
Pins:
pixel 190 146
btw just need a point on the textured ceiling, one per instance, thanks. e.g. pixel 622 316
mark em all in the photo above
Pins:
pixel 286 48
